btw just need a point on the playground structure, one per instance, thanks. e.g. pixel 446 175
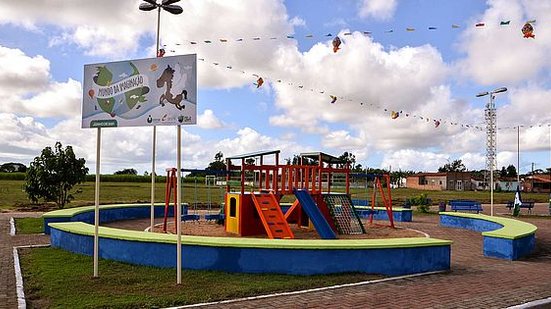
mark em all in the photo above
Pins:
pixel 381 184
pixel 170 191
pixel 262 182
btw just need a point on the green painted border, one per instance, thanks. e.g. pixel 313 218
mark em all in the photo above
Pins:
pixel 398 209
pixel 512 229
pixel 81 228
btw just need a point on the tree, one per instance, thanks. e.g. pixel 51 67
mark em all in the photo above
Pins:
pixel 127 171
pixel 511 171
pixel 349 158
pixel 218 163
pixel 13 168
pixel 53 174
pixel 503 172
pixel 455 166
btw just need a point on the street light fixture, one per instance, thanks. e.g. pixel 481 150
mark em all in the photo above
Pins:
pixel 491 131
pixel 169 6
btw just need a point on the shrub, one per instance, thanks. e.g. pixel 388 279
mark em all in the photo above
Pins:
pixel 421 201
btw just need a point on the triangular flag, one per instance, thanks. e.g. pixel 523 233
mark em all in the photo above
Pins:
pixel 259 82
pixel 504 23
pixel 336 43
pixel 528 31
pixel 333 98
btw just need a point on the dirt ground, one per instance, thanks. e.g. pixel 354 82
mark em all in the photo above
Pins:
pixel 373 231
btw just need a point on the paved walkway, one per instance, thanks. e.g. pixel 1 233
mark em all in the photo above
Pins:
pixel 473 282
pixel 8 296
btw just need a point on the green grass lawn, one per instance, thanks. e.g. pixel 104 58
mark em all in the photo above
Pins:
pixel 29 225
pixel 59 279
pixel 11 194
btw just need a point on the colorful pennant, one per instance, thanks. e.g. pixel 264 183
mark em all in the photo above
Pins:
pixel 528 31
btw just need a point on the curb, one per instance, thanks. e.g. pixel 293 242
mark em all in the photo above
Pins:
pixel 333 287
pixel 532 304
pixel 12 227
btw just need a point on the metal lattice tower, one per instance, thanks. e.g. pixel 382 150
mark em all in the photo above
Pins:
pixel 490 117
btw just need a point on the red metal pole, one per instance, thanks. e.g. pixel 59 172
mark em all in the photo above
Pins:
pixel 242 178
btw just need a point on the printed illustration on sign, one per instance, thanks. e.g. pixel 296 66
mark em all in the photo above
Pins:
pixel 166 81
pixel 118 97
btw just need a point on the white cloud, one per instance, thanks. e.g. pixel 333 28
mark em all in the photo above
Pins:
pixel 26 87
pixel 409 159
pixel 473 161
pixel 499 54
pixel 208 120
pixel 249 140
pixel 297 21
pixel 408 79
pixel 85 24
pixel 342 140
pixel 244 19
pixel 377 9
pixel 22 138
pixel 21 73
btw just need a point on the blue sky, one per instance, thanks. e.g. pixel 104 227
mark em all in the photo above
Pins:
pixel 432 74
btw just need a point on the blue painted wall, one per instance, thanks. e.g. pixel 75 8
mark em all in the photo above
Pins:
pixel 399 261
pixel 509 249
pixel 114 214
pixel 403 215
pixel 468 223
pixel 399 216
pixel 502 248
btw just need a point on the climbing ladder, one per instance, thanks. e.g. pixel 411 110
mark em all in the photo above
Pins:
pixel 341 209
pixel 271 216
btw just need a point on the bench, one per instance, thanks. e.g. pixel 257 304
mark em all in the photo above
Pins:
pixel 465 205
pixel 525 204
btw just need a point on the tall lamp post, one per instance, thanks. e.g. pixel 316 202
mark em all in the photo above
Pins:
pixel 491 131
pixel 150 5
pixel 169 6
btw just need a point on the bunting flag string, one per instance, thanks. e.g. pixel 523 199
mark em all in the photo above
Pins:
pixel 333 98
pixel 435 121
pixel 526 28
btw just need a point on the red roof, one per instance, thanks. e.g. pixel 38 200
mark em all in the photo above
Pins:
pixel 541 178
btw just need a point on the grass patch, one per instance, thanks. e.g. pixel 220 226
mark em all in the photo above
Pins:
pixel 29 225
pixel 56 278
pixel 12 194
